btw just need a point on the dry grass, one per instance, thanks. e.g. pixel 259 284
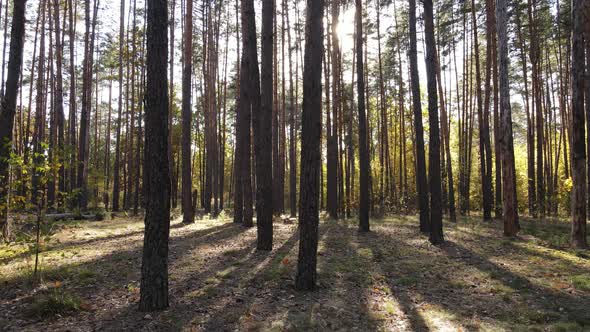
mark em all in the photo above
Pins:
pixel 390 279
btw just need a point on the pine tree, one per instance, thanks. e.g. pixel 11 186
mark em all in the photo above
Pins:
pixel 154 269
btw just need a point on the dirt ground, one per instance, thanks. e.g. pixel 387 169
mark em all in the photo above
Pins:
pixel 391 279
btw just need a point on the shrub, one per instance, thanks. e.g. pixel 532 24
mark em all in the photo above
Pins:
pixel 55 302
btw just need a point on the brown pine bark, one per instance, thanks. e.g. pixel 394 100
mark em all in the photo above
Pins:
pixel 262 125
pixel 365 166
pixel 332 137
pixel 578 231
pixel 84 141
pixel 39 131
pixel 510 203
pixel 154 269
pixel 310 147
pixel 187 181
pixel 247 102
pixel 117 165
pixel 421 180
pixel 292 129
pixel 8 109
pixel 434 173
pixel 484 133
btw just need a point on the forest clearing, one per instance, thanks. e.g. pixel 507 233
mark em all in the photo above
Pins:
pixel 390 279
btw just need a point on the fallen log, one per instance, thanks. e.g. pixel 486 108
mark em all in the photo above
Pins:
pixel 74 216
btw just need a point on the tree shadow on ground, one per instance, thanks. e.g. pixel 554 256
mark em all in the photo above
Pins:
pixel 114 281
pixel 389 279
pixel 453 279
pixel 215 297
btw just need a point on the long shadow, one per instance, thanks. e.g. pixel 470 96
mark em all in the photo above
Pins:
pixel 251 286
pixel 112 274
pixel 75 243
pixel 436 280
pixel 213 298
pixel 574 307
pixel 395 281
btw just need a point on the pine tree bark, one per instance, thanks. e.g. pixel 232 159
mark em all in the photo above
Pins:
pixel 187 70
pixel 72 139
pixel 262 125
pixel 578 231
pixel 421 180
pixel 332 137
pixel 510 203
pixel 436 229
pixel 311 132
pixel 84 141
pixel 292 129
pixel 248 80
pixel 365 167
pixel 484 133
pixel 154 269
pixel 39 132
pixel 8 109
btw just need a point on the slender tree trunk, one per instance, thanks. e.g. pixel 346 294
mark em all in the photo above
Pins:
pixel 154 269
pixel 292 130
pixel 39 132
pixel 248 80
pixel 436 229
pixel 537 86
pixel 510 203
pixel 72 12
pixel 483 122
pixel 365 167
pixel 578 232
pixel 263 131
pixel 8 109
pixel 310 147
pixel 421 180
pixel 187 181
pixel 332 138
pixel 117 166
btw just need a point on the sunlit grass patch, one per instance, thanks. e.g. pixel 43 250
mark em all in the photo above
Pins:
pixel 8 252
pixel 225 273
pixel 439 319
pixel 56 301
pixel 581 282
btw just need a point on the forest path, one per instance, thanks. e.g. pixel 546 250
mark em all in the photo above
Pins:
pixel 389 279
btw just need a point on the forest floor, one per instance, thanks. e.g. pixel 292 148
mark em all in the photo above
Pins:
pixel 390 279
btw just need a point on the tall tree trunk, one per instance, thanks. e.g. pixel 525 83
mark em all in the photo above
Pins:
pixel 292 130
pixel 262 125
pixel 510 203
pixel 365 167
pixel 248 81
pixel 578 232
pixel 311 132
pixel 537 86
pixel 484 134
pixel 8 109
pixel 154 269
pixel 39 132
pixel 117 166
pixel 58 103
pixel 436 229
pixel 72 13
pixel 421 180
pixel 84 142
pixel 173 182
pixel 187 180
pixel 332 138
